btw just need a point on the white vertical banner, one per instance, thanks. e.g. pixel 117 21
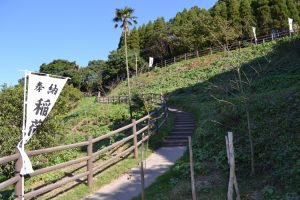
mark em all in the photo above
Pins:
pixel 42 93
pixel 291 25
pixel 151 62
pixel 254 33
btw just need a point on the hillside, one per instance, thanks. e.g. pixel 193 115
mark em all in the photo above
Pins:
pixel 210 88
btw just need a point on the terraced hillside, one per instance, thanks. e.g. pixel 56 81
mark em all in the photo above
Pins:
pixel 253 92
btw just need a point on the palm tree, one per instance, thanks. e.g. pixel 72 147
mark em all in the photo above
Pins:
pixel 125 18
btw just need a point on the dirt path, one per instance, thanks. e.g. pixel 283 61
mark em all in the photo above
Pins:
pixel 173 147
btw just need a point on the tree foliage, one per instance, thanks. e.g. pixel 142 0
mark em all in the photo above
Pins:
pixel 51 132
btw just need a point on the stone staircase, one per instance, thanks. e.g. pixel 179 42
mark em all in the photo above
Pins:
pixel 184 126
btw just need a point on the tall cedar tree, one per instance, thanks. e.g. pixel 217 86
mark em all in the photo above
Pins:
pixel 219 9
pixel 292 10
pixel 279 14
pixel 247 18
pixel 159 40
pixel 234 14
pixel 264 18
pixel 145 37
pixel 133 40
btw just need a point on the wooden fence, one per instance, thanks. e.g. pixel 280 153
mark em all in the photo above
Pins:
pixel 229 47
pixel 132 140
pixel 152 97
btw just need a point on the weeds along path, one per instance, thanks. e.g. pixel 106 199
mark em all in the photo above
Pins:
pixel 173 147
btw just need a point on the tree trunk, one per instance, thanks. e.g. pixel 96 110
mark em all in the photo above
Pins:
pixel 127 70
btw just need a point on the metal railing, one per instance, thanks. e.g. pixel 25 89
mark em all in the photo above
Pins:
pixel 151 122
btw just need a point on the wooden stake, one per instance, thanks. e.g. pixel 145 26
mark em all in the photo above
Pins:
pixel 142 181
pixel 231 162
pixel 192 169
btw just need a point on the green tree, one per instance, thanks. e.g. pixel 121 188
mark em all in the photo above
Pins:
pixel 134 40
pixel 292 10
pixel 125 18
pixel 92 80
pixel 263 14
pixel 115 70
pixel 247 18
pixel 63 68
pixel 220 32
pixel 279 14
pixel 219 9
pixel 142 34
pixel 223 10
pixel 146 36
pixel 234 14
pixel 158 41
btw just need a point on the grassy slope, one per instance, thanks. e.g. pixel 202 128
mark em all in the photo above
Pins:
pixel 205 87
pixel 97 119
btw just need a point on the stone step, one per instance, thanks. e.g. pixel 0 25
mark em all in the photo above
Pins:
pixel 184 123
pixel 183 128
pixel 181 134
pixel 182 131
pixel 184 118
pixel 174 137
pixel 172 143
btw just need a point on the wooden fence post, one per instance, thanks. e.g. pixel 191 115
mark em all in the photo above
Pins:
pixel 90 162
pixel 174 59
pixel 165 63
pixel 197 53
pixel 185 56
pixel 192 169
pixel 134 138
pixel 98 97
pixel 210 49
pixel 18 186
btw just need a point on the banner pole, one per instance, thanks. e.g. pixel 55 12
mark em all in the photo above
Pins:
pixel 23 128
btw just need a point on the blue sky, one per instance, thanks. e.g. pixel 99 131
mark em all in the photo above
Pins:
pixel 33 32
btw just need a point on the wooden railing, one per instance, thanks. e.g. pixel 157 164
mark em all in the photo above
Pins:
pixel 221 48
pixel 149 123
pixel 152 97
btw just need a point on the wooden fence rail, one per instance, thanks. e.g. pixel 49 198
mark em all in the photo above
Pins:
pixel 137 127
pixel 152 97
pixel 216 49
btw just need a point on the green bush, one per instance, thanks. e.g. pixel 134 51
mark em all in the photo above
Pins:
pixel 51 133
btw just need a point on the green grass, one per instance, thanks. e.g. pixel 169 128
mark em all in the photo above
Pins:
pixel 92 118
pixel 206 88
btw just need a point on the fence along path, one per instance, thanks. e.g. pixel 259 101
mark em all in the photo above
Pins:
pixel 151 97
pixel 216 49
pixel 133 140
